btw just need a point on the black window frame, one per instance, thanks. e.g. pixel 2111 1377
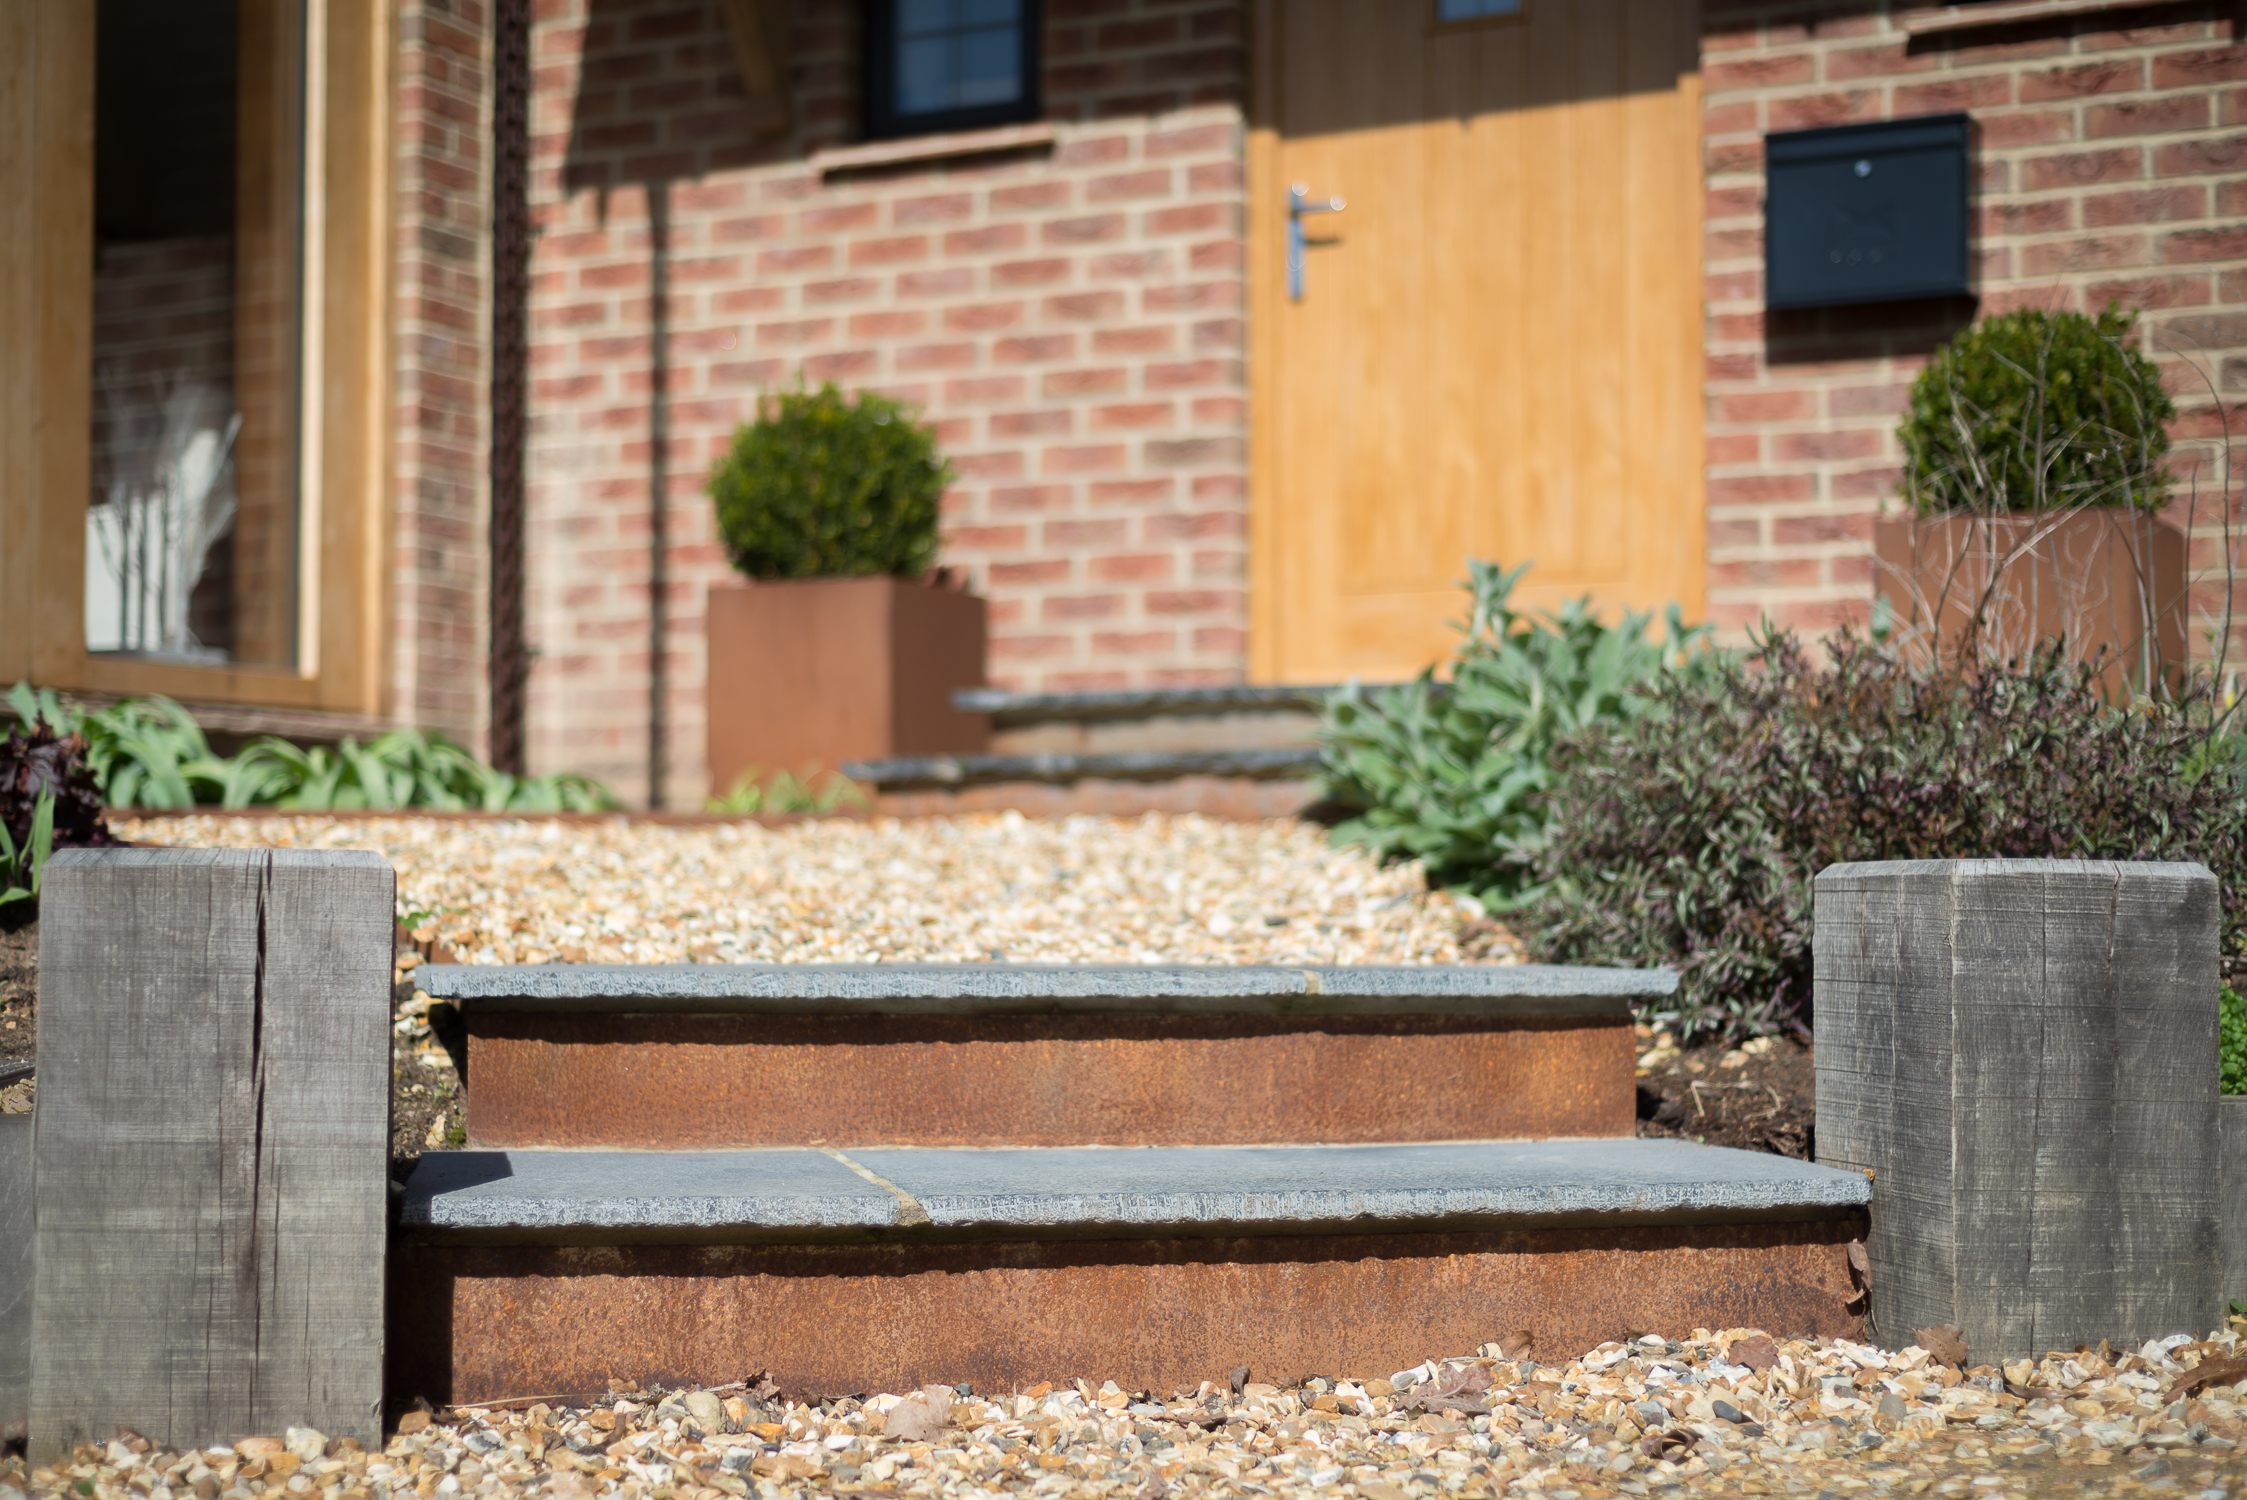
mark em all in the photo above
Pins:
pixel 884 123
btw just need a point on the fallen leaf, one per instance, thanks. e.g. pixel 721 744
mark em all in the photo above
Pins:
pixel 1239 1377
pixel 2207 1373
pixel 1667 1440
pixel 1756 1351
pixel 1945 1342
pixel 919 1418
pixel 1520 1344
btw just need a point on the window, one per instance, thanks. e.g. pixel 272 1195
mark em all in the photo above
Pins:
pixel 950 65
pixel 1476 10
pixel 194 332
pixel 191 533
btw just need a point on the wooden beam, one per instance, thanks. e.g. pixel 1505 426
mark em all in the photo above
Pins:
pixel 212 1141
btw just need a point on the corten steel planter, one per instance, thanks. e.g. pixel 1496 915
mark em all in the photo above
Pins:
pixel 2107 580
pixel 816 671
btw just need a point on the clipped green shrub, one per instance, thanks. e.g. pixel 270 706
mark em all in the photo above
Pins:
pixel 1456 772
pixel 2231 1045
pixel 821 486
pixel 1689 836
pixel 2036 411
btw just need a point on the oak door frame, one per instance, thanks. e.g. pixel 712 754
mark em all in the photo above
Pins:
pixel 46 351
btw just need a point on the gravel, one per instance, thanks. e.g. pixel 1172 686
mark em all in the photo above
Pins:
pixel 1153 889
pixel 1727 1413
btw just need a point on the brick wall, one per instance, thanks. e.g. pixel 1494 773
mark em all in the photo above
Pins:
pixel 1069 315
pixel 442 325
pixel 2113 165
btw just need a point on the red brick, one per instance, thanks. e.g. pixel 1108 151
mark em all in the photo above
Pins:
pixel 1028 348
pixel 2229 243
pixel 1766 71
pixel 1989 91
pixel 1084 307
pixel 949 281
pixel 1134 567
pixel 2085 253
pixel 989 239
pixel 1189 601
pixel 888 325
pixel 2082 168
pixel 1042 570
pixel 1132 416
pixel 2002 128
pixel 2082 80
pixel 1098 382
pixel 2180 70
pixel 1808 110
pixel 1092 229
pixel 1084 458
pixel 985 317
pixel 1017 273
pixel 1762 489
pixel 1059 607
pixel 2160 116
pixel 1765 406
pixel 1130 491
pixel 2146 206
pixel 890 250
pixel 840 218
pixel 931 208
pixel 1102 533
pixel 2191 158
pixel 1134 643
pixel 1797 447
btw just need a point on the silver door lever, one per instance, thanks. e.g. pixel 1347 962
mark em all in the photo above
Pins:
pixel 1298 204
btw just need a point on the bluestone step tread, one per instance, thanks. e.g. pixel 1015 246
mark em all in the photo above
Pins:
pixel 1076 1192
pixel 1000 989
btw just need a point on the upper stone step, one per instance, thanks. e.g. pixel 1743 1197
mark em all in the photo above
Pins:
pixel 997 989
pixel 856 1194
pixel 687 1056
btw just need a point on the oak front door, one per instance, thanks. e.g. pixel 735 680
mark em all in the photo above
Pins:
pixel 1492 348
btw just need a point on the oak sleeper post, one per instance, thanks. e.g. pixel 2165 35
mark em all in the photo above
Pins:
pixel 212 1139
pixel 2023 1053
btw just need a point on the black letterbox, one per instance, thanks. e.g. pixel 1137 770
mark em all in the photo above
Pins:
pixel 1865 213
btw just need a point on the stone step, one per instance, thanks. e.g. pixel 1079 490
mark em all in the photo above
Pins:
pixel 722 1055
pixel 521 1273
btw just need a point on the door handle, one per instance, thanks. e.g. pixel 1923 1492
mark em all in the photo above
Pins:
pixel 1299 205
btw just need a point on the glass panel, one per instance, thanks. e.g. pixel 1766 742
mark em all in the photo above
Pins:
pixel 957 54
pixel 1475 10
pixel 191 526
pixel 990 67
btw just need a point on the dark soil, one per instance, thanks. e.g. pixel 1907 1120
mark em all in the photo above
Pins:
pixel 1767 1102
pixel 19 991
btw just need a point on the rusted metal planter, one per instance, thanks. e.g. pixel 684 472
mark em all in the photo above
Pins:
pixel 2109 581
pixel 816 671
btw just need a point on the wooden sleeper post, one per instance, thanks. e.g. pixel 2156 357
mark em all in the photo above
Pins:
pixel 2023 1054
pixel 211 1142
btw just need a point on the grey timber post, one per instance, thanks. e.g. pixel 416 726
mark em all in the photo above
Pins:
pixel 15 1275
pixel 2023 1054
pixel 211 1143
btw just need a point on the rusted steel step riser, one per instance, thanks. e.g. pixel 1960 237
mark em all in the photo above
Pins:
pixel 745 1055
pixel 669 1081
pixel 481 1323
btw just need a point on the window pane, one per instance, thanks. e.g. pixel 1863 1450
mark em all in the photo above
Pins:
pixel 990 65
pixel 924 76
pixel 191 526
pixel 920 17
pixel 989 12
pixel 1475 10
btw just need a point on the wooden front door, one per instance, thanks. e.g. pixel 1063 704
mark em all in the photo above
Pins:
pixel 1497 347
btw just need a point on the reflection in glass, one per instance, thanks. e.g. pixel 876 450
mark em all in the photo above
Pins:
pixel 191 527
pixel 1475 10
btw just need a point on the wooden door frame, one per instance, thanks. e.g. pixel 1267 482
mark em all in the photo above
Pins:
pixel 1266 295
pixel 46 325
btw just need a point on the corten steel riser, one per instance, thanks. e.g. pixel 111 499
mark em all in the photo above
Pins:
pixel 481 1323
pixel 542 1078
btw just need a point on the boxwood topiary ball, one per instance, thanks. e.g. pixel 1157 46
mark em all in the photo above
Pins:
pixel 2037 411
pixel 823 486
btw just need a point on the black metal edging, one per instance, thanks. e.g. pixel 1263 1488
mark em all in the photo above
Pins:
pixel 916 772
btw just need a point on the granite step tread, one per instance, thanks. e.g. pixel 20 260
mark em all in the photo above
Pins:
pixel 1093 1192
pixel 1018 989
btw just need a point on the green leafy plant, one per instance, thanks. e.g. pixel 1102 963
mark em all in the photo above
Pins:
pixel 1690 836
pixel 150 752
pixel 821 486
pixel 784 792
pixel 1456 772
pixel 2037 411
pixel 2231 1045
pixel 20 869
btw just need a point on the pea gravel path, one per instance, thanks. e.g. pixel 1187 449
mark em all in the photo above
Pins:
pixel 1154 889
pixel 1733 1413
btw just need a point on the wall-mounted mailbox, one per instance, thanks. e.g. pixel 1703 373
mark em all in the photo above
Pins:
pixel 1866 213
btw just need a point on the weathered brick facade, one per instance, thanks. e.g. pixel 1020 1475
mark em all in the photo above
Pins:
pixel 2113 166
pixel 1067 310
pixel 443 321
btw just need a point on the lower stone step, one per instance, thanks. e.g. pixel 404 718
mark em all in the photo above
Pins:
pixel 849 1270
pixel 680 1056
